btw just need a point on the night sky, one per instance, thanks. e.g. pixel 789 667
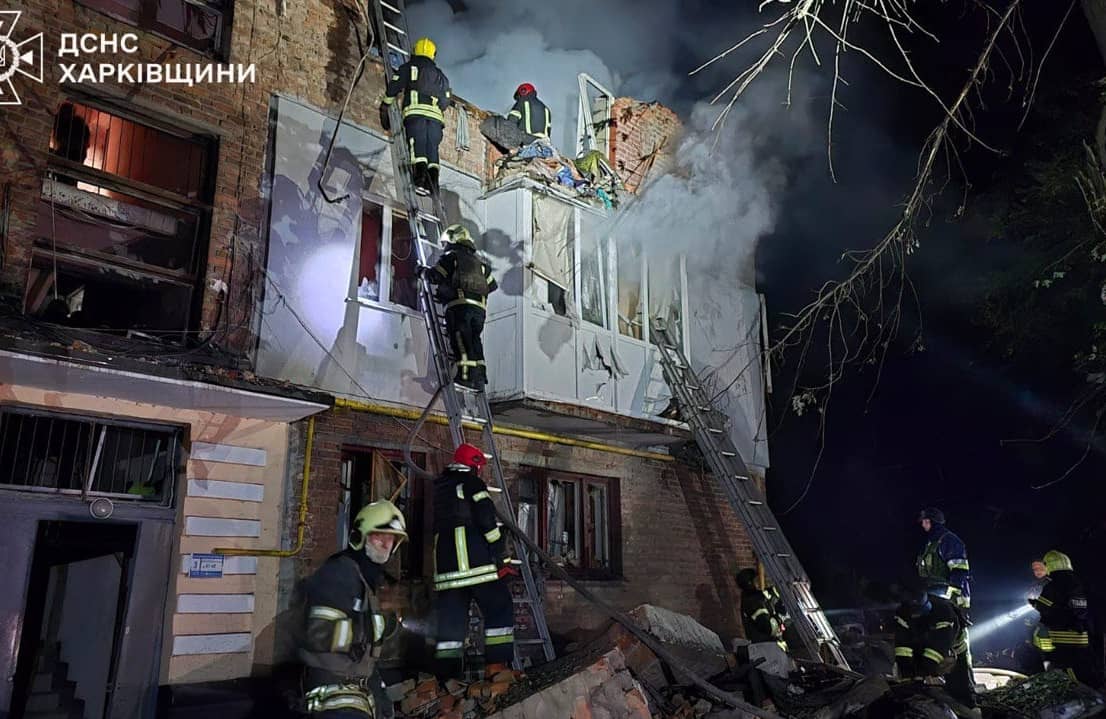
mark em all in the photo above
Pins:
pixel 931 433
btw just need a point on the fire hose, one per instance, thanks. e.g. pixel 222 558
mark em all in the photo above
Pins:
pixel 625 620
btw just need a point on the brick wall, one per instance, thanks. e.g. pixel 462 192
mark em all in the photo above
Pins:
pixel 644 136
pixel 309 53
pixel 681 543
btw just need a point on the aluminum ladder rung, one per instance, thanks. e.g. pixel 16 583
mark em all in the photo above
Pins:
pixel 748 504
pixel 458 401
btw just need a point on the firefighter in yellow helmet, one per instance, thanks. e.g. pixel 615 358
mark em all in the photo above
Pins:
pixel 344 628
pixel 1063 636
pixel 426 97
pixel 464 282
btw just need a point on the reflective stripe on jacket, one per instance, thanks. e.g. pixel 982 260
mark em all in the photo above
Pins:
pixel 469 547
pixel 532 117
pixel 425 89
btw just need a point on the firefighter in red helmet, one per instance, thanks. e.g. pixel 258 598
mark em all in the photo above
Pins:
pixel 531 114
pixel 470 560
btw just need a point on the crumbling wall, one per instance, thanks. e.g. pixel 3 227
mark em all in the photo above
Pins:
pixel 307 50
pixel 644 137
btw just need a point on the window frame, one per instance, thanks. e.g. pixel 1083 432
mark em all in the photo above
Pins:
pixel 546 303
pixel 543 476
pixel 147 23
pixel 202 207
pixel 176 452
pixel 384 280
pixel 418 496
pixel 605 256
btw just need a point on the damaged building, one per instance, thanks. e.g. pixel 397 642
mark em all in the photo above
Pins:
pixel 208 310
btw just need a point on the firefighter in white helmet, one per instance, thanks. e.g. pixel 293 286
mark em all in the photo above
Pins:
pixel 344 627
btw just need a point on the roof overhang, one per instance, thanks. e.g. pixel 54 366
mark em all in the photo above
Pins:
pixel 59 375
pixel 581 421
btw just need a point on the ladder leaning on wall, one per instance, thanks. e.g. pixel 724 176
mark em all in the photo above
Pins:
pixel 748 502
pixel 426 227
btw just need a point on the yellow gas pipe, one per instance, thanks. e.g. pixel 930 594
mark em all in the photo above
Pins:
pixel 411 414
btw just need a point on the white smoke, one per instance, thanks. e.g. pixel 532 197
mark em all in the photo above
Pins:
pixel 724 194
pixel 725 191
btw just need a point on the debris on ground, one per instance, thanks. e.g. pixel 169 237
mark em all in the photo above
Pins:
pixel 615 676
pixel 1051 695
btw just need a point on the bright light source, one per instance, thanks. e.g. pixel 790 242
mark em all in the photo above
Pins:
pixel 984 629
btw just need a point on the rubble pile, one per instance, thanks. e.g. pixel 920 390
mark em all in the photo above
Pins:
pixel 1052 695
pixel 617 677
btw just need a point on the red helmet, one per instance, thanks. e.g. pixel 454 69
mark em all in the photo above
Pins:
pixel 525 90
pixel 470 456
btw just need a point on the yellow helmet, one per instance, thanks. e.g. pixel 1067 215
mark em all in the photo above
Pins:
pixel 379 517
pixel 459 234
pixel 1057 561
pixel 425 47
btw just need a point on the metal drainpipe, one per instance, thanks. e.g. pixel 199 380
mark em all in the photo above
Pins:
pixel 301 522
pixel 505 431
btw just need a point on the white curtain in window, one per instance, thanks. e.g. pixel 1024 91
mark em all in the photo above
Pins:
pixel 556 524
pixel 552 246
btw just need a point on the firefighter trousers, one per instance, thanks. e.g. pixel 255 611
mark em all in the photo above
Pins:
pixel 1077 661
pixel 959 683
pixel 373 686
pixel 465 325
pixel 497 607
pixel 424 134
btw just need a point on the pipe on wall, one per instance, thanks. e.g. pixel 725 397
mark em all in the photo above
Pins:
pixel 411 414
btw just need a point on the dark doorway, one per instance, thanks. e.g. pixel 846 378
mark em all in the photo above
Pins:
pixel 73 619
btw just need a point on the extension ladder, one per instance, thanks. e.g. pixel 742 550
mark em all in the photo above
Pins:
pixel 426 227
pixel 749 503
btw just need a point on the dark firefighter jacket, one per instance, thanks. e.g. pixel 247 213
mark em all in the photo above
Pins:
pixel 943 564
pixel 425 89
pixel 532 116
pixel 469 547
pixel 928 645
pixel 761 617
pixel 460 275
pixel 343 624
pixel 1064 613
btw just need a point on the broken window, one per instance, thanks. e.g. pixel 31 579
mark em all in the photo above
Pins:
pixel 387 234
pixel 199 24
pixel 372 474
pixel 593 271
pixel 666 292
pixel 554 237
pixel 529 496
pixel 372 239
pixel 630 320
pixel 404 290
pixel 122 223
pixel 580 523
pixel 76 455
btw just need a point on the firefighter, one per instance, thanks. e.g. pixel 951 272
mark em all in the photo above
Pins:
pixel 931 641
pixel 1040 578
pixel 764 622
pixel 761 613
pixel 943 561
pixel 531 114
pixel 426 97
pixel 1062 637
pixel 344 627
pixel 464 282
pixel 470 562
